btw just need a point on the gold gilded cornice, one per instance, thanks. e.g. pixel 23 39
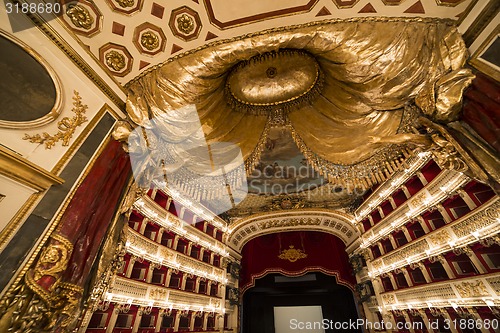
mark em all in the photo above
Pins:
pixel 18 168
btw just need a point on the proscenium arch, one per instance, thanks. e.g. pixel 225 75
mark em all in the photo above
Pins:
pixel 333 222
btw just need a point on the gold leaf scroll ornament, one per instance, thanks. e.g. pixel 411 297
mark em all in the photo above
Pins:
pixel 67 126
pixel 292 254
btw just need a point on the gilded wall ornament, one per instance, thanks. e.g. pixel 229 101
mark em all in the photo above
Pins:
pixel 292 254
pixel 80 16
pixel 389 299
pixel 482 219
pixel 115 60
pixel 472 289
pixel 185 24
pixel 67 126
pixel 158 294
pixel 440 238
pixel 150 40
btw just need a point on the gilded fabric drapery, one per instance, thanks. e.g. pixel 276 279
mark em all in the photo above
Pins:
pixel 372 68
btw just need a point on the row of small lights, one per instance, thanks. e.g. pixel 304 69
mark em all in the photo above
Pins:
pixel 395 183
pixel 429 202
pixel 165 222
pixel 488 302
pixel 198 208
pixel 172 264
pixel 121 299
pixel 451 245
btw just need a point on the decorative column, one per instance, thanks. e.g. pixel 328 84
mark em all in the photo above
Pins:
pixel 137 320
pixel 159 319
pixel 177 320
pixel 406 233
pixel 408 320
pixel 446 315
pixel 425 273
pixel 424 225
pixel 160 235
pixel 175 242
pixel 370 219
pixel 191 321
pixel 405 191
pixel 392 202
pixel 388 317
pixel 149 272
pixel 447 218
pixel 393 241
pixel 393 281
pixel 112 320
pixel 144 223
pixel 183 281
pixel 167 277
pixel 381 248
pixel 407 276
pixel 380 211
pixel 205 321
pixel 169 202
pixel 475 260
pixel 466 197
pixel 446 265
pixel 426 320
pixel 197 284
pixel 421 177
pixel 130 266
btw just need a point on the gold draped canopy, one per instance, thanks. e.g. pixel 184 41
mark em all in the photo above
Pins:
pixel 370 69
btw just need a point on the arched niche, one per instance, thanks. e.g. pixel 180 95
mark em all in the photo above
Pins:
pixel 30 90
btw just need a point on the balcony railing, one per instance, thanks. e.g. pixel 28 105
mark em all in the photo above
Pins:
pixel 145 248
pixel 481 290
pixel 483 222
pixel 431 195
pixel 126 291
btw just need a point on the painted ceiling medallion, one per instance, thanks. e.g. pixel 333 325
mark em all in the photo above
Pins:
pixel 273 80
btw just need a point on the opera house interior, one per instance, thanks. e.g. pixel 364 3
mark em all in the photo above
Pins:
pixel 250 166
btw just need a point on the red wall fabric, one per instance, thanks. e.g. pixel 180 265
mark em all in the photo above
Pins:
pixel 482 109
pixel 325 253
pixel 91 210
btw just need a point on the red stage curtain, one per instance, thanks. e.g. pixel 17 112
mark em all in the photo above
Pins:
pixel 325 253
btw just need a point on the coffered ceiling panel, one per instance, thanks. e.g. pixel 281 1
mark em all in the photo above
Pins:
pixel 130 36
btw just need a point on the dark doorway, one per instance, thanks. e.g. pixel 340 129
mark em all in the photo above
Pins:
pixel 313 289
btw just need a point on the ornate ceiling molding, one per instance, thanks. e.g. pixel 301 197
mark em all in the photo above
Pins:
pixel 333 222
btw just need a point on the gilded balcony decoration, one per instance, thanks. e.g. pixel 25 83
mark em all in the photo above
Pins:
pixel 360 108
